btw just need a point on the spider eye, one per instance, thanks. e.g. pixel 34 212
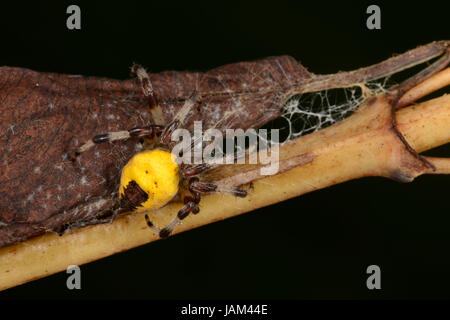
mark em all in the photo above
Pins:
pixel 151 178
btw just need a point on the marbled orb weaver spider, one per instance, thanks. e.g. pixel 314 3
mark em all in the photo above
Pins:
pixel 152 177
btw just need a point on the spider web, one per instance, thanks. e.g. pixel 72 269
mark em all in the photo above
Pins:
pixel 313 111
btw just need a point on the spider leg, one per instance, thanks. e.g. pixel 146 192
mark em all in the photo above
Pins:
pixel 178 120
pixel 191 204
pixel 193 170
pixel 147 90
pixel 114 215
pixel 119 135
pixel 196 186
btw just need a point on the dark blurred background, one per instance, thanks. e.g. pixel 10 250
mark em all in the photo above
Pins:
pixel 317 246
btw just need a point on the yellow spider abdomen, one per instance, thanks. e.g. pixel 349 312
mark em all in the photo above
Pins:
pixel 154 172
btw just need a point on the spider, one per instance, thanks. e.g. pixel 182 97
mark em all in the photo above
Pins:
pixel 153 177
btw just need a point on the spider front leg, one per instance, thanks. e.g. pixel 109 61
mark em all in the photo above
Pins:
pixel 147 90
pixel 149 131
pixel 146 85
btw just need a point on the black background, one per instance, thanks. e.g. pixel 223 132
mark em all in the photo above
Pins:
pixel 317 246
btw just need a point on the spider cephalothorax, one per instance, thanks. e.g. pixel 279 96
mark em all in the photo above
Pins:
pixel 152 178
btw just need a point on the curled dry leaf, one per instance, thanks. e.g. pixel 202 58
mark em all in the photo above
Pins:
pixel 47 116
